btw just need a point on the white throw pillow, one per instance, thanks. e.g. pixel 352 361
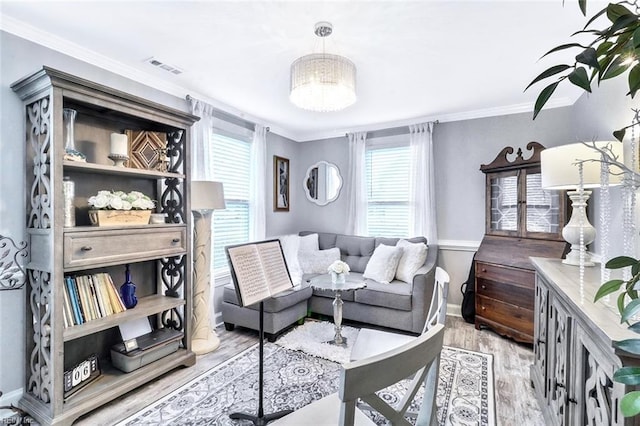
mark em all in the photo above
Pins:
pixel 318 261
pixel 308 243
pixel 383 264
pixel 290 245
pixel 413 257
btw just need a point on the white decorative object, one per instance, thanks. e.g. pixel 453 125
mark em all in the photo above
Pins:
pixel 383 264
pixel 339 271
pixel 321 81
pixel 309 243
pixel 205 197
pixel 413 257
pixel 120 200
pixel 290 247
pixel 68 188
pixel 119 149
pixel 560 170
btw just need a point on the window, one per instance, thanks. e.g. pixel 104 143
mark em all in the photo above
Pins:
pixel 231 166
pixel 387 170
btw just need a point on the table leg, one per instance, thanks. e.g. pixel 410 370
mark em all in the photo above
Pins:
pixel 337 320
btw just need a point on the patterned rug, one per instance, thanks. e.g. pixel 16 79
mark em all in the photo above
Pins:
pixel 293 379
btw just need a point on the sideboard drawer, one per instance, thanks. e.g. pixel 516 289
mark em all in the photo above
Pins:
pixel 512 316
pixel 115 246
pixel 506 292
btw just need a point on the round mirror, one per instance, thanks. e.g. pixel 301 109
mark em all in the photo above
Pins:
pixel 322 183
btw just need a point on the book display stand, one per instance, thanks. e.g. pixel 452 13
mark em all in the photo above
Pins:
pixel 259 271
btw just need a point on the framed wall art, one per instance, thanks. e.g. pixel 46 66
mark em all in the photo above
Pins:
pixel 147 150
pixel 280 184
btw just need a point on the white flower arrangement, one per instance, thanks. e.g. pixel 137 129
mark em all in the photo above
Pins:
pixel 339 267
pixel 120 200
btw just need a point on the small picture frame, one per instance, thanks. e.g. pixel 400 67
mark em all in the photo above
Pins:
pixel 280 184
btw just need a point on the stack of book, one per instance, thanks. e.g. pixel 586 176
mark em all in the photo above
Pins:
pixel 89 297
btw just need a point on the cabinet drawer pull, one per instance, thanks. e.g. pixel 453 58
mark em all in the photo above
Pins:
pixel 557 384
pixel 86 248
pixel 484 269
pixel 484 287
pixel 541 342
pixel 483 308
pixel 175 240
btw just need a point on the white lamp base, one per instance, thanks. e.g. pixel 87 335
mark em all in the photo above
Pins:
pixel 571 231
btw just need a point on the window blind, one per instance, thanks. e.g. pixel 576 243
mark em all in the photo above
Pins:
pixel 231 166
pixel 387 171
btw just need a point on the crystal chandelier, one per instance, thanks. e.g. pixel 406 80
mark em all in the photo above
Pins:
pixel 321 81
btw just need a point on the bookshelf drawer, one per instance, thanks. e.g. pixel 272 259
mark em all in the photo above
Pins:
pixel 115 246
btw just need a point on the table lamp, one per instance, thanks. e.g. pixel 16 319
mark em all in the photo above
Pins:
pixel 206 197
pixel 561 170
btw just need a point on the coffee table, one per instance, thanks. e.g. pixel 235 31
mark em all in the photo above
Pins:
pixel 323 282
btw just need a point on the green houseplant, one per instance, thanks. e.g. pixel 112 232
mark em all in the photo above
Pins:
pixel 614 50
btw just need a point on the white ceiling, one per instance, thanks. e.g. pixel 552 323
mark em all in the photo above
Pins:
pixel 416 60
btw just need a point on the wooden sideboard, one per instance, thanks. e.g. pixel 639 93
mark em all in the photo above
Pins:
pixel 574 357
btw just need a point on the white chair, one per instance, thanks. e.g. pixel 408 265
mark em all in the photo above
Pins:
pixel 419 358
pixel 371 342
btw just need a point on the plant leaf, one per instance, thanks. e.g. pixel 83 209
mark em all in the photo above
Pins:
pixel 630 345
pixel 615 11
pixel 543 97
pixel 621 298
pixel 548 73
pixel 623 22
pixel 596 16
pixel 580 78
pixel 630 404
pixel 617 67
pixel 589 57
pixel 619 134
pixel 635 327
pixel 620 262
pixel 636 38
pixel 627 375
pixel 607 288
pixel 603 48
pixel 629 311
pixel 562 47
pixel 634 80
pixel 583 6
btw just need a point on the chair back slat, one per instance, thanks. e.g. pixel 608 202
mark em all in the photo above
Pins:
pixel 438 308
pixel 361 379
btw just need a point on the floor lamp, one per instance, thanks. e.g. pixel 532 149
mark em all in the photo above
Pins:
pixel 560 167
pixel 206 197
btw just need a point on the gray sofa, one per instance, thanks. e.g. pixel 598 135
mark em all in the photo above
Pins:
pixel 398 305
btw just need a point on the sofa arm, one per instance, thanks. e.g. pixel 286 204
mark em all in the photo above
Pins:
pixel 422 291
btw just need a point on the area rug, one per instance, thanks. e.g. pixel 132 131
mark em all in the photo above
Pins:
pixel 293 379
pixel 313 337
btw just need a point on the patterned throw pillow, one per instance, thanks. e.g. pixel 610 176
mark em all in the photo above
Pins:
pixel 383 264
pixel 413 257
pixel 318 261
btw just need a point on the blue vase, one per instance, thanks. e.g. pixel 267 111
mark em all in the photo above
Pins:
pixel 128 291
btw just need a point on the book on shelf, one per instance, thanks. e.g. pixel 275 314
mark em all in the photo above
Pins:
pixel 91 297
pixel 258 270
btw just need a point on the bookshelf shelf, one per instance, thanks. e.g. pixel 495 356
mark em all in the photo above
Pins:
pixel 117 171
pixel 146 306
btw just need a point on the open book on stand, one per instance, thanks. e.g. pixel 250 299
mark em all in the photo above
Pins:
pixel 258 270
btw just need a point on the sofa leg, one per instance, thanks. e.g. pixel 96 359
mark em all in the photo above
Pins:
pixel 271 337
pixel 228 326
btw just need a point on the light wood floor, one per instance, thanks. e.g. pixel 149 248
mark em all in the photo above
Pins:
pixel 515 402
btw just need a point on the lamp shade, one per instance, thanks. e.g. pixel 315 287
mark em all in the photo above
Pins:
pixel 207 195
pixel 560 168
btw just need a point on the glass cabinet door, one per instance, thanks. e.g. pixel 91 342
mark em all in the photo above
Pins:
pixel 543 211
pixel 503 203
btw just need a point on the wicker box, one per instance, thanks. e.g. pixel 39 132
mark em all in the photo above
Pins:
pixel 119 217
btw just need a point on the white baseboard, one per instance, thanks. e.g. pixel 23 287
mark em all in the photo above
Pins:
pixel 458 245
pixel 454 310
pixel 8 399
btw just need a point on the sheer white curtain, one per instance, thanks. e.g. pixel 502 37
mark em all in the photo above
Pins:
pixel 422 189
pixel 257 226
pixel 357 185
pixel 201 140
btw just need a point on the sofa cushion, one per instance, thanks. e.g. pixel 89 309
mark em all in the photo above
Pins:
pixel 394 241
pixel 413 257
pixel 383 264
pixel 276 303
pixel 356 251
pixel 308 242
pixel 396 295
pixel 318 261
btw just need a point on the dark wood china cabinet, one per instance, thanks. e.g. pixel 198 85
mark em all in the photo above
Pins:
pixel 522 220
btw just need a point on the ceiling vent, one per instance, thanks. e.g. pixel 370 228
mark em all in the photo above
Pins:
pixel 163 65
